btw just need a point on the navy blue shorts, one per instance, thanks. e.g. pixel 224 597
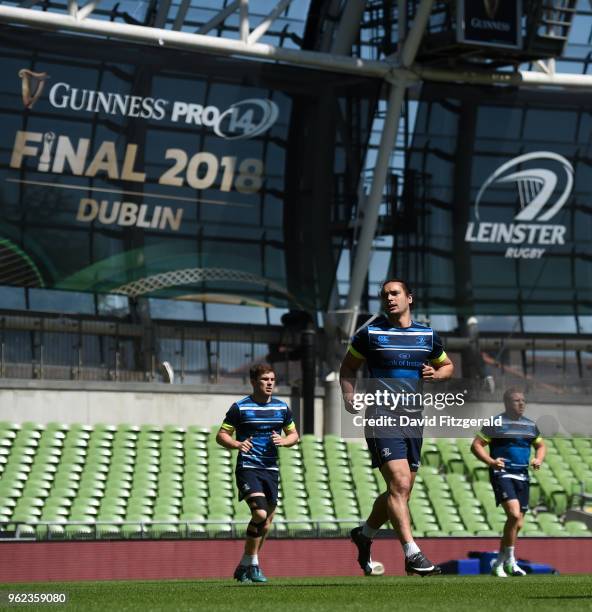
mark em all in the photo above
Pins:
pixel 510 488
pixel 399 443
pixel 252 480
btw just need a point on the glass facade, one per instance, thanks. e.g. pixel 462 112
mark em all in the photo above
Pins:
pixel 156 173
pixel 501 213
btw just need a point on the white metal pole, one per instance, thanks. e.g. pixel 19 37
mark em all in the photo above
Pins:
pixel 416 33
pixel 349 26
pixel 244 20
pixel 371 210
pixel 402 20
pixel 267 22
pixel 363 249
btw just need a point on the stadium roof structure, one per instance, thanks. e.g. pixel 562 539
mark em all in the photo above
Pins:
pixel 204 27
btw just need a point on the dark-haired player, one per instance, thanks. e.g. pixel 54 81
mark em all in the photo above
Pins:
pixel 256 421
pixel 399 352
pixel 508 460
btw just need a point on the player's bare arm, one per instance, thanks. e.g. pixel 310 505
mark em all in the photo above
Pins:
pixel 347 379
pixel 479 449
pixel 438 371
pixel 224 438
pixel 288 440
pixel 539 455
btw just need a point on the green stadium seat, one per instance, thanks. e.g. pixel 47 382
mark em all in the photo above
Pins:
pixel 31 426
pixel 461 533
pixel 549 523
pixel 218 530
pixel 195 530
pixel 25 532
pixel 487 533
pixel 108 532
pixel 131 532
pixel 26 514
pixel 430 455
pixel 80 532
pixel 577 528
pixel 436 533
pixel 138 515
pixel 278 528
pixel 55 512
pixel 10 490
pixel 50 532
pixel 163 531
pixel 198 431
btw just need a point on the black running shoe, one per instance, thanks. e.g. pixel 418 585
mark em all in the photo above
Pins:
pixel 420 564
pixel 241 573
pixel 363 544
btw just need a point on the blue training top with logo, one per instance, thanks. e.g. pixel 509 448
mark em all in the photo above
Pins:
pixel 397 353
pixel 259 421
pixel 511 441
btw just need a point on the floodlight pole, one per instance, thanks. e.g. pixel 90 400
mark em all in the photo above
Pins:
pixel 371 210
pixel 349 27
pixel 370 213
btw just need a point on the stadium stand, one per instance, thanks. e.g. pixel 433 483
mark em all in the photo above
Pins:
pixel 103 482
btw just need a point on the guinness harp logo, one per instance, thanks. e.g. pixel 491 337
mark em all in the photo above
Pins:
pixel 491 7
pixel 32 86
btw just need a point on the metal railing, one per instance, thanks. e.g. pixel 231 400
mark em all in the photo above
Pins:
pixel 78 348
pixel 74 347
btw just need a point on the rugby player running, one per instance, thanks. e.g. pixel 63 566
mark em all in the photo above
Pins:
pixel 400 353
pixel 257 419
pixel 508 459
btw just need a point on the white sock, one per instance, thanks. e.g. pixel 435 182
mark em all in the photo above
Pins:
pixel 410 548
pixel 509 555
pixel 368 531
pixel 249 560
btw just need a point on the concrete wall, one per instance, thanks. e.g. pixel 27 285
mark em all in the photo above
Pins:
pixel 134 403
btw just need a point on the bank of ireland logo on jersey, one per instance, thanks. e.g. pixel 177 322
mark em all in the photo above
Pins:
pixel 543 182
pixel 382 339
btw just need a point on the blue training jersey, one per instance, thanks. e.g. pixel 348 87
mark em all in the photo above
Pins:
pixel 396 355
pixel 512 441
pixel 251 419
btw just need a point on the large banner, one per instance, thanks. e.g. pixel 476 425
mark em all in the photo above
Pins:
pixel 499 202
pixel 152 172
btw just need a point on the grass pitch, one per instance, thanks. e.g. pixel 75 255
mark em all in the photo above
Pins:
pixel 479 593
